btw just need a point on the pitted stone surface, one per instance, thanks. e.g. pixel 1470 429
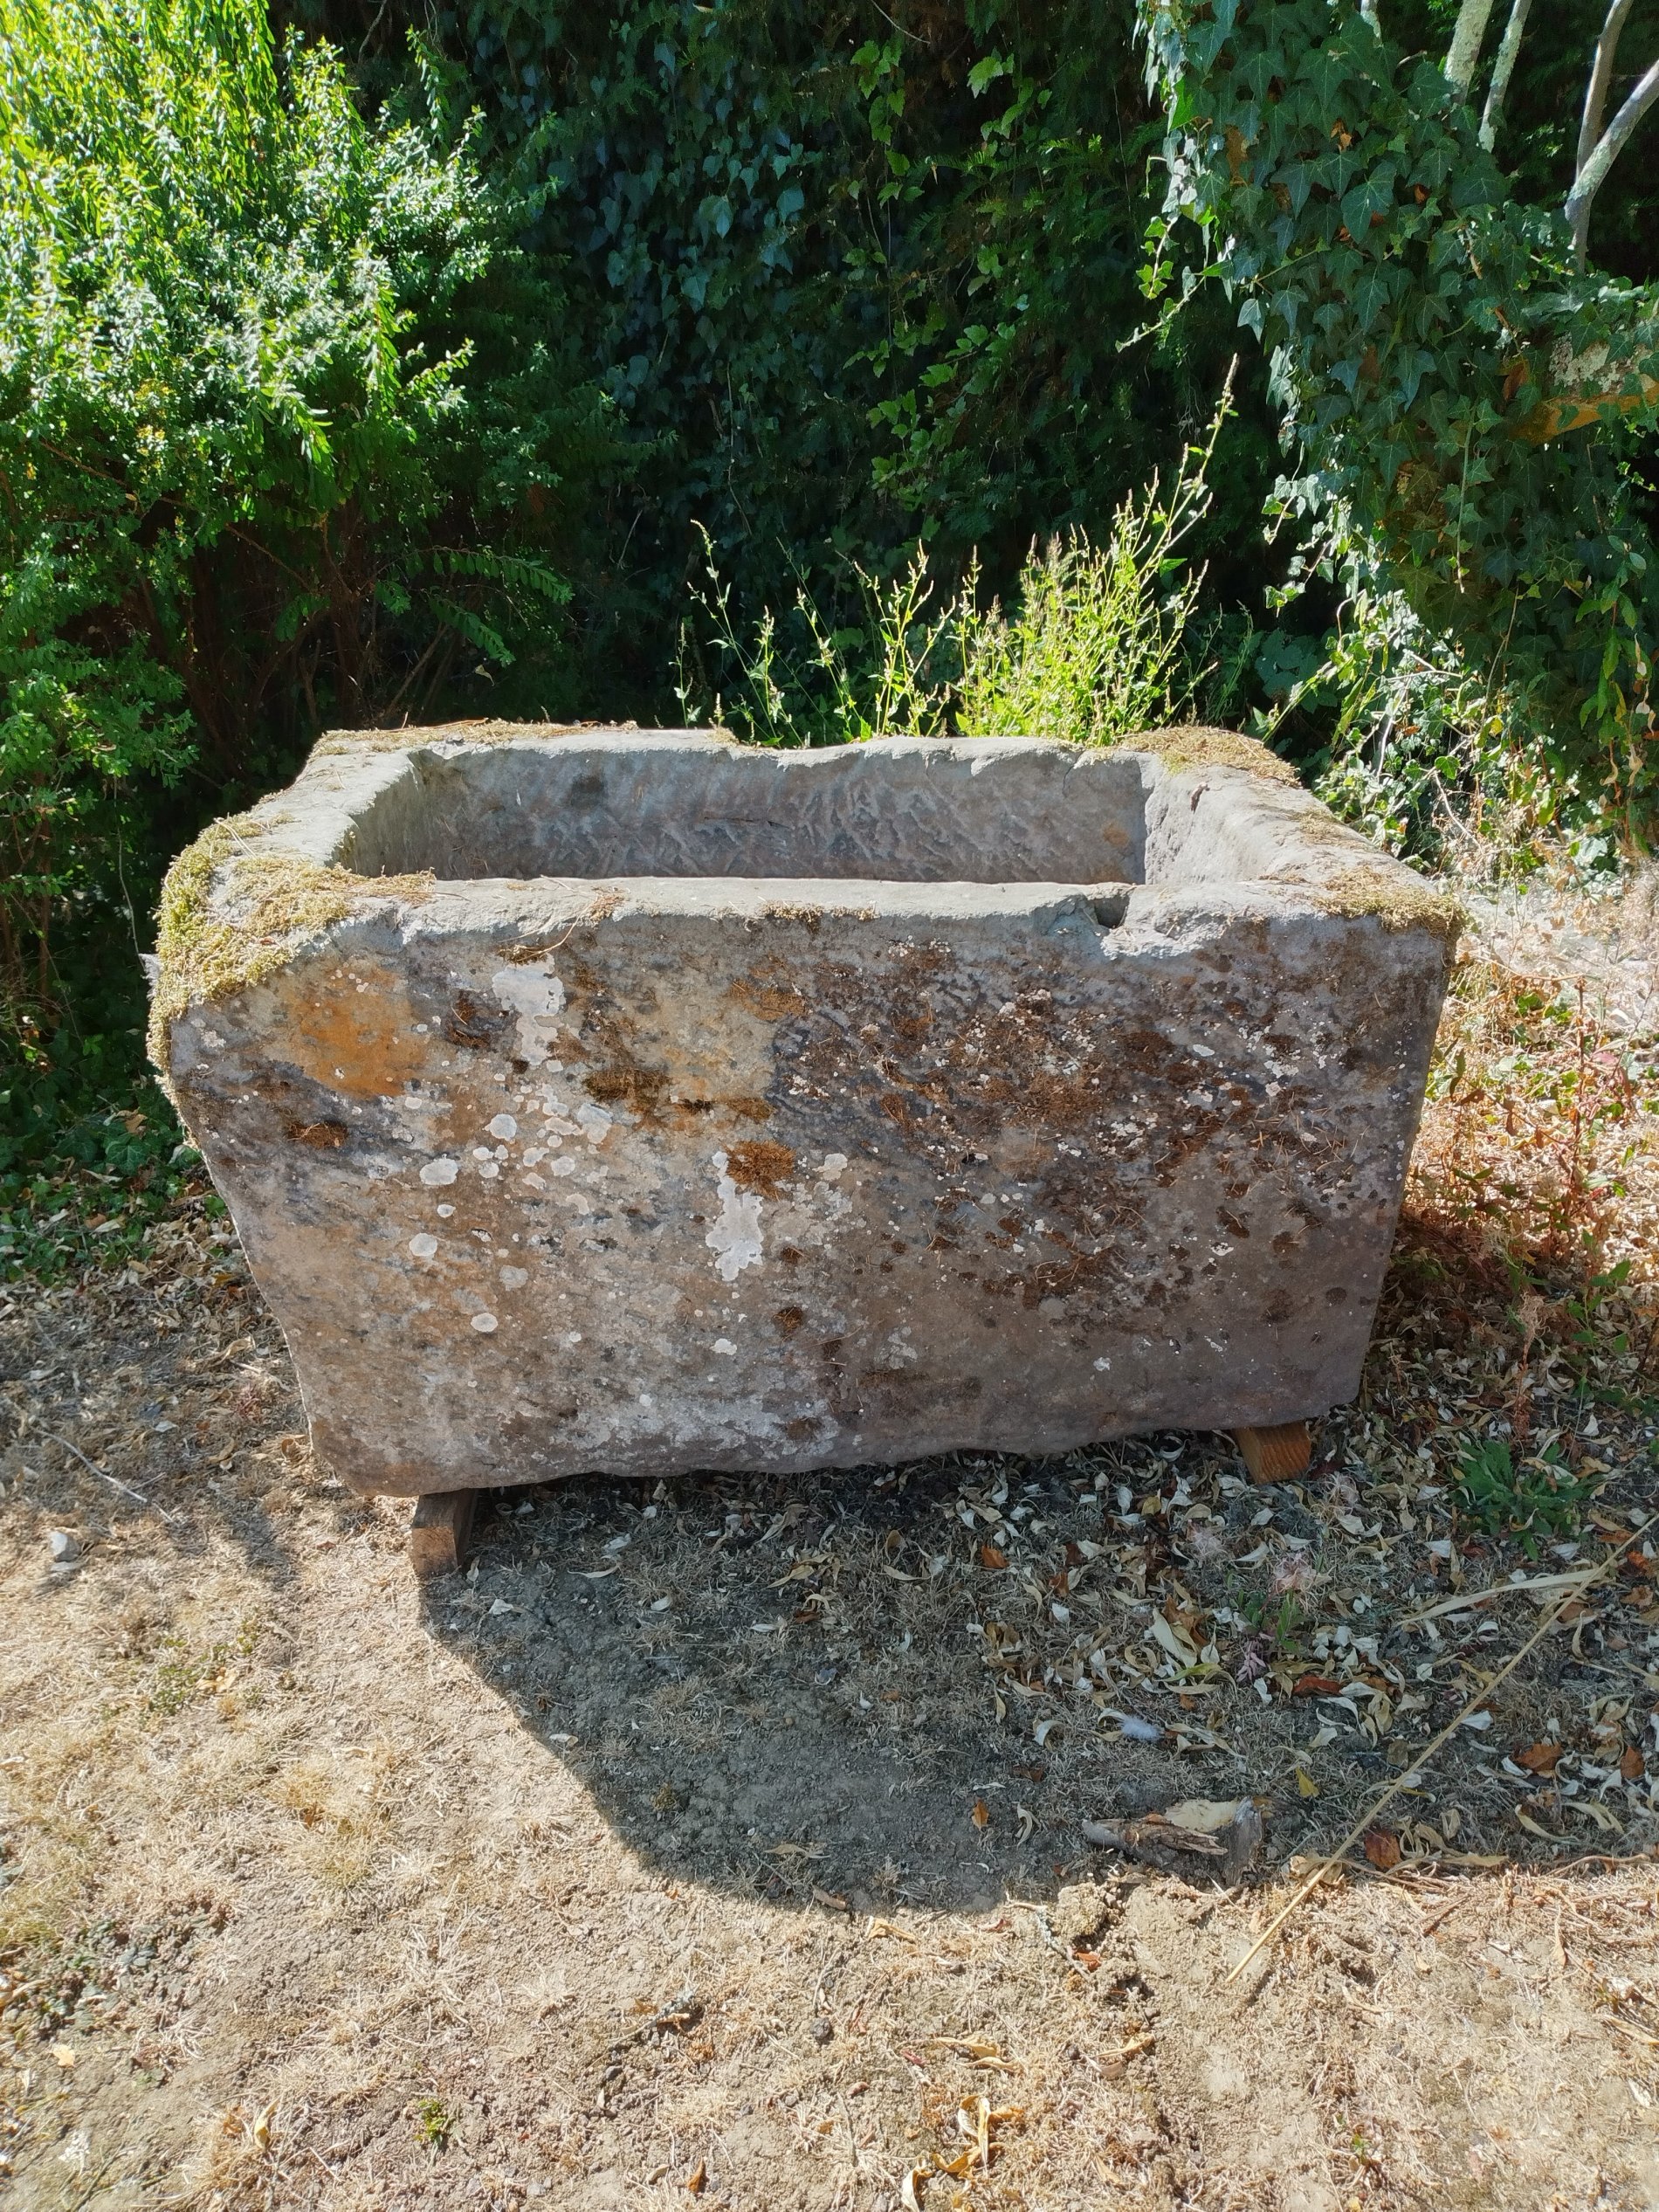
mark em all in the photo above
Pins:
pixel 719 1108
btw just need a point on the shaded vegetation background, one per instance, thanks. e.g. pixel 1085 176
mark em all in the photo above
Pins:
pixel 820 282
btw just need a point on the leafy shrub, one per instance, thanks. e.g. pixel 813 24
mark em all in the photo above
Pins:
pixel 284 434
pixel 1427 756
pixel 854 276
pixel 1466 404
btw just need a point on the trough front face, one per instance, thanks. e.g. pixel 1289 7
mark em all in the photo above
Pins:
pixel 640 1103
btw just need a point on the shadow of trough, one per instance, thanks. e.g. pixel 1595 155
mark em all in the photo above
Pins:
pixel 891 1686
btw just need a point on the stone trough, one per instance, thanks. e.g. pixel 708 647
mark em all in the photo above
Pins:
pixel 637 1102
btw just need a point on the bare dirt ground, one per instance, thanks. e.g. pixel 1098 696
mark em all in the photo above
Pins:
pixel 723 1844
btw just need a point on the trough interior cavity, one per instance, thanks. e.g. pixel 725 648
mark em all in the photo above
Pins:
pixel 910 811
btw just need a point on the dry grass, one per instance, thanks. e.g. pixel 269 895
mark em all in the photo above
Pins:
pixel 736 1827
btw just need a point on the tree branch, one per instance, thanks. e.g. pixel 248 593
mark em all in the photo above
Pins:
pixel 1595 92
pixel 1503 70
pixel 1580 389
pixel 1464 52
pixel 1592 173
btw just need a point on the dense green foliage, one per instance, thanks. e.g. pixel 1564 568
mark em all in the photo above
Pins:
pixel 285 425
pixel 1467 411
pixel 854 277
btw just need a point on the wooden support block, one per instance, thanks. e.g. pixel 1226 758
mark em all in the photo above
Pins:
pixel 438 1534
pixel 1276 1455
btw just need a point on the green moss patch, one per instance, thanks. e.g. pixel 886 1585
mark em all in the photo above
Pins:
pixel 209 947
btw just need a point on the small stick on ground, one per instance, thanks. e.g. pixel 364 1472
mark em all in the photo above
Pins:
pixel 1480 1697
pixel 1276 1455
pixel 439 1533
pixel 104 1475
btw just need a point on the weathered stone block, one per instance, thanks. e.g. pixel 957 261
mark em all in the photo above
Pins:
pixel 640 1102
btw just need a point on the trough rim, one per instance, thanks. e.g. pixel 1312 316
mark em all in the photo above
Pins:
pixel 257 891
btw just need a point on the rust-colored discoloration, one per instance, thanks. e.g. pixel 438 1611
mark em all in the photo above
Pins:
pixel 788 1319
pixel 768 992
pixel 756 1164
pixel 641 1090
pixel 359 1038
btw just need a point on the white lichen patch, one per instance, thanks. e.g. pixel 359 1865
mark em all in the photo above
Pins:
pixel 438 1172
pixel 514 1279
pixel 735 1237
pixel 594 1123
pixel 835 1164
pixel 537 1000
pixel 505 1127
pixel 484 1324
pixel 424 1247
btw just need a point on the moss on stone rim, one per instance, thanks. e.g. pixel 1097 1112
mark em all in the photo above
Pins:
pixel 1200 745
pixel 1394 895
pixel 208 947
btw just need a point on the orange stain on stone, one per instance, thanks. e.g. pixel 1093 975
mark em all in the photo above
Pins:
pixel 359 1040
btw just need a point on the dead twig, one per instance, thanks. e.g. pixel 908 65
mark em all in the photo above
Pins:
pixel 103 1473
pixel 1368 1818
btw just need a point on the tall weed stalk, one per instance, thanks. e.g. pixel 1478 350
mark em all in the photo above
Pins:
pixel 1099 640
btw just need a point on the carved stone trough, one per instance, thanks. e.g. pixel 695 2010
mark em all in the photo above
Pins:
pixel 636 1102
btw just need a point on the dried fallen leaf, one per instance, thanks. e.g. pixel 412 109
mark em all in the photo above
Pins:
pixel 1179 1645
pixel 827 1897
pixel 991 1558
pixel 1538 1758
pixel 1382 1849
pixel 1114 2062
pixel 1316 1685
pixel 1305 1785
pixel 64 2054
pixel 979 2049
pixel 1532 1828
pixel 1632 1765
pixel 697 2179
pixel 981 1814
